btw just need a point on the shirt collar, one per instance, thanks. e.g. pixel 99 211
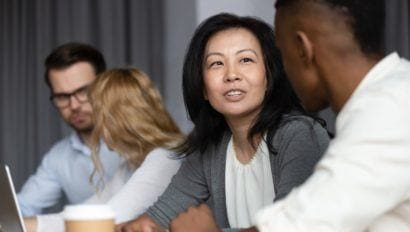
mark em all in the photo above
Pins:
pixel 78 145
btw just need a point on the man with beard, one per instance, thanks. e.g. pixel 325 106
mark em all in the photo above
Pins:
pixel 67 167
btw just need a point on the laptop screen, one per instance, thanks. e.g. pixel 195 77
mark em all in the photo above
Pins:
pixel 10 216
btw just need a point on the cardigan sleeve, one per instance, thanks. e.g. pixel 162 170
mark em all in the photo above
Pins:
pixel 187 188
pixel 300 144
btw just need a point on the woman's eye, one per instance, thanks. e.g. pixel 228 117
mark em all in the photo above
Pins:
pixel 215 63
pixel 246 60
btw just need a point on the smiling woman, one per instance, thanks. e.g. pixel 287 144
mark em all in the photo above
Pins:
pixel 234 74
pixel 252 141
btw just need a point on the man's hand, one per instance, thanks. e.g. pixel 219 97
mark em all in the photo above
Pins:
pixel 251 229
pixel 142 224
pixel 31 224
pixel 198 219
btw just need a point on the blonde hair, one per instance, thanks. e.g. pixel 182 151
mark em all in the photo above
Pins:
pixel 130 116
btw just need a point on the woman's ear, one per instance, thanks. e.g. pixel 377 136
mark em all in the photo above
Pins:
pixel 305 47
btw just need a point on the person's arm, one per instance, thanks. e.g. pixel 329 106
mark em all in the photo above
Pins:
pixel 142 224
pixel 145 185
pixel 363 175
pixel 199 219
pixel 55 222
pixel 30 223
pixel 300 145
pixel 49 223
pixel 131 199
pixel 44 223
pixel 41 190
pixel 187 188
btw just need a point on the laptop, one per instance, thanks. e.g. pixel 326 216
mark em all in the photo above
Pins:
pixel 10 215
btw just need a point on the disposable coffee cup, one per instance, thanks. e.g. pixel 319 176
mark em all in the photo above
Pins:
pixel 88 218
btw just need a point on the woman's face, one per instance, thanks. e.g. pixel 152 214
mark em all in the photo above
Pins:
pixel 234 74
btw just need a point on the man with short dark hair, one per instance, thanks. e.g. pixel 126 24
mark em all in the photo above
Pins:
pixel 332 51
pixel 67 167
pixel 333 54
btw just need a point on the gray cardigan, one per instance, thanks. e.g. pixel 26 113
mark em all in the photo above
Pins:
pixel 299 144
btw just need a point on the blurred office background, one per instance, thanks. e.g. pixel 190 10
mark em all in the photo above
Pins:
pixel 148 34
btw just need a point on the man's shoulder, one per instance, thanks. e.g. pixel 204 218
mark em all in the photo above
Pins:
pixel 395 82
pixel 61 147
pixel 390 88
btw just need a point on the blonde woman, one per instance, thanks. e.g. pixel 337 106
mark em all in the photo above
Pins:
pixel 130 116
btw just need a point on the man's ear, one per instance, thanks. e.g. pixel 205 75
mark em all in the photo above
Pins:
pixel 305 47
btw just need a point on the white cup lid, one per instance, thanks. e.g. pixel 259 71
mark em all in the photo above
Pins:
pixel 88 212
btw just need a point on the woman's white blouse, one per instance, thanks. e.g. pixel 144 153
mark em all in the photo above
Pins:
pixel 248 187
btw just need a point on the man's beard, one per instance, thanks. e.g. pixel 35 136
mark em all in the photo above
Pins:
pixel 84 130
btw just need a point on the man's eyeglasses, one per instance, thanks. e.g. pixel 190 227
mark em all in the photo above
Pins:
pixel 62 100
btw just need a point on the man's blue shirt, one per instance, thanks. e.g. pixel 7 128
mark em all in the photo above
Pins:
pixel 65 169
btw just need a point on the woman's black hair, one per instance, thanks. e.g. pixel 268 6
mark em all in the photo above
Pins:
pixel 210 125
